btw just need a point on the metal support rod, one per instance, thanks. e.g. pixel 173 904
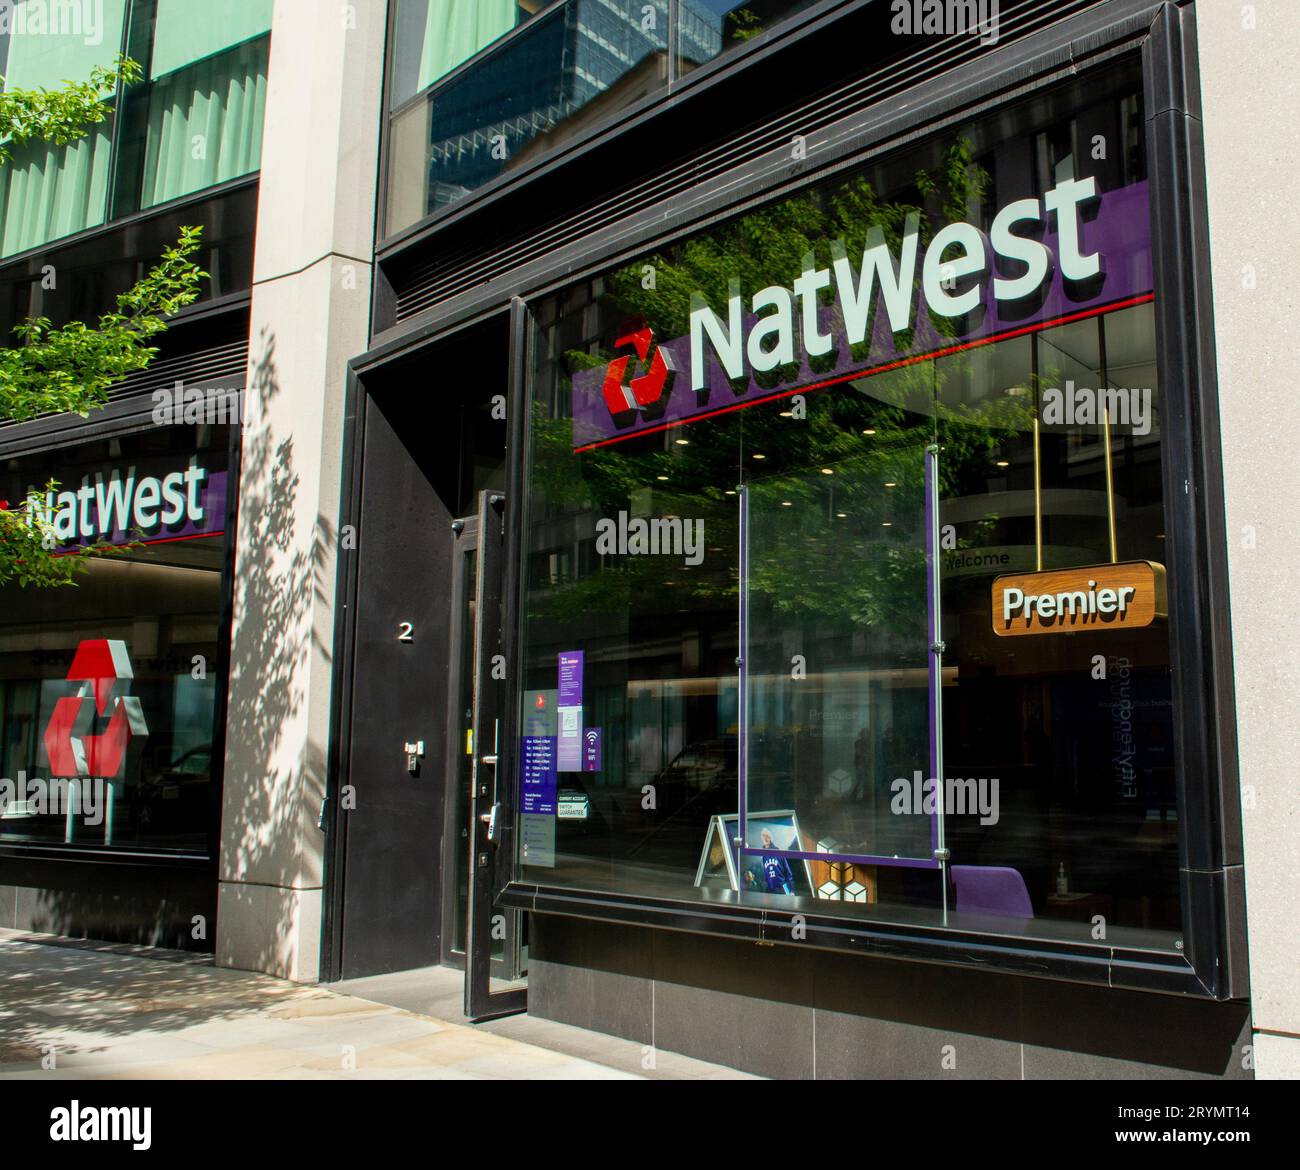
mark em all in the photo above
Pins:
pixel 934 632
pixel 1110 485
pixel 1038 500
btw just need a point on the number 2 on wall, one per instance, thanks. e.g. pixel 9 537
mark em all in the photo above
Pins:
pixel 406 632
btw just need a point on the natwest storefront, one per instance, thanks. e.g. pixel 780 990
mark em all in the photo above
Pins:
pixel 832 640
pixel 112 687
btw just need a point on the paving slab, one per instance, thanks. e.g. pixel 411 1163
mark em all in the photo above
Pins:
pixel 82 1010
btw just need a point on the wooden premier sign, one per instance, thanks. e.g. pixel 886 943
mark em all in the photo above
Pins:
pixel 1064 601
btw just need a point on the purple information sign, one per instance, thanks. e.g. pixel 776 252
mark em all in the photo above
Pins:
pixel 538 781
pixel 569 712
pixel 570 694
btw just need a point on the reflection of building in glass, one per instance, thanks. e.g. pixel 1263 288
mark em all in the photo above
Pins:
pixel 589 55
pixel 707 27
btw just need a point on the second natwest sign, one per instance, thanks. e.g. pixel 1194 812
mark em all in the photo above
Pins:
pixel 121 505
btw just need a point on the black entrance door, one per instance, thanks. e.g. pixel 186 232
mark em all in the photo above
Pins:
pixel 428 437
pixel 389 810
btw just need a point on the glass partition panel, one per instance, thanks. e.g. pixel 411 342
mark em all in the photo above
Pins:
pixel 431 37
pixel 203 124
pixel 42 45
pixel 48 191
pixel 839 740
pixel 185 32
pixel 630 708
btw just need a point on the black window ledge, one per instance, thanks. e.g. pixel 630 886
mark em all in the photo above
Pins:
pixel 75 854
pixel 1097 965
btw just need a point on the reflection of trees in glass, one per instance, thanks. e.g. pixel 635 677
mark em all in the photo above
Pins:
pixel 815 574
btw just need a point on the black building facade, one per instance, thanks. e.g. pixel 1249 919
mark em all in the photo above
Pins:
pixel 790 545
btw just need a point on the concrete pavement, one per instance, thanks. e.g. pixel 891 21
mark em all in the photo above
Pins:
pixel 88 1010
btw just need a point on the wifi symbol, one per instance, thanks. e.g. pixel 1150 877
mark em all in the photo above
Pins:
pixel 592 737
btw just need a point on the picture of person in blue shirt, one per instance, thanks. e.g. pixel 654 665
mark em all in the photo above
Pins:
pixel 776 870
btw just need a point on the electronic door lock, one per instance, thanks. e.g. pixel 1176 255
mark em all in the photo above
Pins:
pixel 414 754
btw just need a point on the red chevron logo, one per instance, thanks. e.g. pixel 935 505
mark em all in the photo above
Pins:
pixel 103 669
pixel 647 393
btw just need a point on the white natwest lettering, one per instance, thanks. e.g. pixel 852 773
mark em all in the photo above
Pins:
pixel 126 504
pixel 956 253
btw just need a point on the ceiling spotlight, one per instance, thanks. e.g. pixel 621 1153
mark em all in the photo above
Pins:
pixel 662 478
pixel 1003 463
pixel 869 431
pixel 786 504
pixel 891 485
pixel 683 442
pixel 760 456
pixel 828 471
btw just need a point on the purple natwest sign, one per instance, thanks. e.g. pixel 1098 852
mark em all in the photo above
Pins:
pixel 1088 253
pixel 123 505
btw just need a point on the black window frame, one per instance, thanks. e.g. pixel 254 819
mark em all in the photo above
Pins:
pixel 1161 34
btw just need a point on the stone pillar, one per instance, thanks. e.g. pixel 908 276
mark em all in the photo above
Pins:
pixel 311 295
pixel 1250 92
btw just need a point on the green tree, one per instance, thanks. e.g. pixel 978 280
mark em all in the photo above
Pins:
pixel 71 368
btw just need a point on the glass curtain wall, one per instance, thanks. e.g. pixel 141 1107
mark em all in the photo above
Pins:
pixel 207 96
pixel 844 530
pixel 49 191
pixel 194 122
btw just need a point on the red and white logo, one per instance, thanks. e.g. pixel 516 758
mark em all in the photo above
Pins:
pixel 103 669
pixel 646 394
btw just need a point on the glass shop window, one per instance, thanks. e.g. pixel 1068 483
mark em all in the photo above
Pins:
pixel 109 688
pixel 859 500
pixel 49 191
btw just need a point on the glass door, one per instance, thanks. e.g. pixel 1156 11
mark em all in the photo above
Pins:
pixel 494 943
